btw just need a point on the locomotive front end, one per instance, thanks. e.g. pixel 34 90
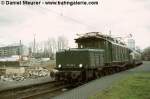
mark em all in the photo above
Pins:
pixel 78 64
pixel 70 64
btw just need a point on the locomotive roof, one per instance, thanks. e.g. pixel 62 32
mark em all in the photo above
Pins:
pixel 77 49
pixel 99 35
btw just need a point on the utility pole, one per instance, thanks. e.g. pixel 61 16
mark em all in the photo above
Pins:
pixel 20 50
pixel 34 43
pixel 110 33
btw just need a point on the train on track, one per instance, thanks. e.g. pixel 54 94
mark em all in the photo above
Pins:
pixel 97 55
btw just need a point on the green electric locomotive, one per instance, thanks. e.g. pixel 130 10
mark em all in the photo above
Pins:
pixel 96 55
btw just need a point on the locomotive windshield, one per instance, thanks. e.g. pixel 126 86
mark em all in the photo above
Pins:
pixel 91 43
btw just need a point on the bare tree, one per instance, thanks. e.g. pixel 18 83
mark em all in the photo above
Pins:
pixel 62 43
pixel 146 53
pixel 49 47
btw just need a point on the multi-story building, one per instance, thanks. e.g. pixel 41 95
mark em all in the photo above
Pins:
pixel 12 55
pixel 8 51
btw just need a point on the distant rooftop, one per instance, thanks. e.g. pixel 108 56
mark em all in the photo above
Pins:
pixel 10 45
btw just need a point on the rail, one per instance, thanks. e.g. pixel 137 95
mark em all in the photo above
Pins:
pixel 32 91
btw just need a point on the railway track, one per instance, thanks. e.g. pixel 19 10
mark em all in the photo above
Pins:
pixel 39 91
pixel 53 91
pixel 32 92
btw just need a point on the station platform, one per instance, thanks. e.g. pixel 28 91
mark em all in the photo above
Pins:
pixel 6 85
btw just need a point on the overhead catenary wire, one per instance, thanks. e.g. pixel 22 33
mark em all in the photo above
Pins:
pixel 76 20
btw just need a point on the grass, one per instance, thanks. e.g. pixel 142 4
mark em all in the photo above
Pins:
pixel 134 86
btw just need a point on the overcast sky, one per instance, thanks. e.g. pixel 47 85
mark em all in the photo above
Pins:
pixel 122 17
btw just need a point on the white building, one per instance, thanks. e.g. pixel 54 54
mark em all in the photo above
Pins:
pixel 131 44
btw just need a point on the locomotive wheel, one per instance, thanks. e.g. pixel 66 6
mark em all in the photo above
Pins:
pixel 89 75
pixel 100 73
pixel 96 74
pixel 80 79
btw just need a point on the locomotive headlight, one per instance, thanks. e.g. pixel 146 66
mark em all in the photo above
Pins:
pixel 59 66
pixel 80 65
